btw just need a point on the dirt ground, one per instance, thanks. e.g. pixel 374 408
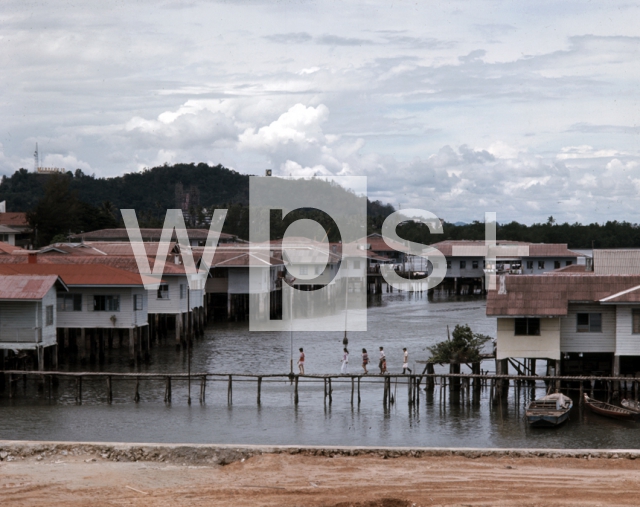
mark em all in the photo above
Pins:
pixel 342 481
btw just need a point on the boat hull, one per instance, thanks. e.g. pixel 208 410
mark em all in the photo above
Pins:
pixel 608 410
pixel 547 420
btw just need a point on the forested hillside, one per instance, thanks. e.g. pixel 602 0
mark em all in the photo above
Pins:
pixel 75 201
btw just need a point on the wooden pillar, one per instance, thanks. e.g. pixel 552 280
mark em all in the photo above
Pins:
pixel 82 345
pixel 167 390
pixel 295 395
pixel 230 391
pixel 79 390
pixel 616 373
pixel 260 388
pixel 359 390
pixel 136 396
pixel 132 346
pixel 109 390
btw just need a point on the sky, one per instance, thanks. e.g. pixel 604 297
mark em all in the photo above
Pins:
pixel 528 109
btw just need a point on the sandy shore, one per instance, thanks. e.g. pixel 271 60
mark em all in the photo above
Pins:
pixel 283 479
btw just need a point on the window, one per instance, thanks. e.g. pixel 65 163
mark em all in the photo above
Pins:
pixel 106 303
pixel 448 264
pixel 568 263
pixel 304 270
pixel 463 264
pixel 635 321
pixel 527 327
pixel 49 315
pixel 356 264
pixel 137 302
pixel 556 264
pixel 317 270
pixel 182 291
pixel 474 264
pixel 69 302
pixel 163 291
pixel 589 323
pixel 529 264
pixel 540 264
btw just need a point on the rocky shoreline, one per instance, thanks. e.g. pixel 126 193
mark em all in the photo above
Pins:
pixel 205 454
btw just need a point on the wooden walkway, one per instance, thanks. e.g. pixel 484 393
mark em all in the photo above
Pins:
pixel 498 384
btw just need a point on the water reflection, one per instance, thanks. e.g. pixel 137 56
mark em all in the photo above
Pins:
pixel 441 418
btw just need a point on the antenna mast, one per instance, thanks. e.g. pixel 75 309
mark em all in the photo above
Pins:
pixel 36 159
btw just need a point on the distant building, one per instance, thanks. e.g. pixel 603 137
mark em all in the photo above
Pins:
pixel 14 228
pixel 197 237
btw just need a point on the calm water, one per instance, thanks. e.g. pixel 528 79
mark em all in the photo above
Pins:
pixel 394 321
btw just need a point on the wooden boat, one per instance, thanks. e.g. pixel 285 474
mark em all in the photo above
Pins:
pixel 631 405
pixel 548 411
pixel 608 410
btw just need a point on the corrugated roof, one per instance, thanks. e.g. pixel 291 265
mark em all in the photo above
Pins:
pixel 6 248
pixel 148 234
pixel 535 295
pixel 26 287
pixel 14 218
pixel 616 262
pixel 77 274
pixel 504 249
pixel 573 268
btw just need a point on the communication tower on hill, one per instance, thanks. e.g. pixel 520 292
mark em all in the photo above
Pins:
pixel 43 170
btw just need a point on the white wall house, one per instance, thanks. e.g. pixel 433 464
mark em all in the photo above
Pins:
pixel 589 323
pixel 28 315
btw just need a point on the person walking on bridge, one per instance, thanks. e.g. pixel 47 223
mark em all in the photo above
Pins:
pixel 405 362
pixel 301 362
pixel 365 360
pixel 345 362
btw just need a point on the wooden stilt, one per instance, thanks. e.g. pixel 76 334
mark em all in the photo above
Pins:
pixel 359 391
pixel 109 391
pixel 230 391
pixel 203 387
pixel 352 389
pixel 136 396
pixel 295 396
pixel 260 388
pixel 330 392
pixel 167 390
pixel 79 390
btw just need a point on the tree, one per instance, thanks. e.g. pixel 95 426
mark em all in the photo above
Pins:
pixel 56 212
pixel 465 347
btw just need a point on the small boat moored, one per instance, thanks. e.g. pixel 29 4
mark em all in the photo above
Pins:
pixel 548 411
pixel 631 405
pixel 609 410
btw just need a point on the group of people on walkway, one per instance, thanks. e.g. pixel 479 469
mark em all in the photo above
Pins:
pixel 382 363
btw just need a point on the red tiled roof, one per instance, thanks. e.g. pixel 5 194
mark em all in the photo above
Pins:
pixel 26 287
pixel 14 218
pixel 77 274
pixel 535 295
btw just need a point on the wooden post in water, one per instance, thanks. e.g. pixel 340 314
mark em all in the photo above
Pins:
pixel 352 389
pixel 136 396
pixel 109 390
pixel 259 388
pixel 359 391
pixel 325 390
pixel 409 400
pixel 581 393
pixel 167 390
pixel 229 389
pixel 79 390
pixel 295 390
pixel 385 393
pixel 203 388
pixel 330 391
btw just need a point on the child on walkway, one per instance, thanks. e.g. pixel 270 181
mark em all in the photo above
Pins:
pixel 301 362
pixel 405 362
pixel 365 360
pixel 345 361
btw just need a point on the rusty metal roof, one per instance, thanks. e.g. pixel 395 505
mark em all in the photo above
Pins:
pixel 27 287
pixel 148 234
pixel 536 295
pixel 14 218
pixel 616 262
pixel 78 274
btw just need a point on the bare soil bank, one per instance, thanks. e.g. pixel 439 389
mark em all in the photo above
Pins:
pixel 289 478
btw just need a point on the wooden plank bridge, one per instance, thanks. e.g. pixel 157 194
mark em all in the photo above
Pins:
pixel 466 383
